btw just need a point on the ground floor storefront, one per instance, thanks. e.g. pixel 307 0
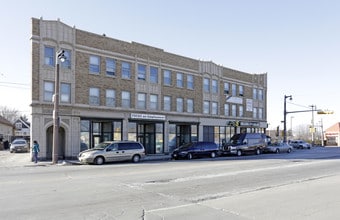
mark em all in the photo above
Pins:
pixel 159 134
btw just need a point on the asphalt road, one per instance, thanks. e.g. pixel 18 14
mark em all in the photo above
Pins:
pixel 300 185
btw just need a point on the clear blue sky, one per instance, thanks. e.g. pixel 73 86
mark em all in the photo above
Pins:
pixel 297 42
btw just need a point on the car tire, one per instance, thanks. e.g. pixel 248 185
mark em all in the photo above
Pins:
pixel 213 154
pixel 136 158
pixel 239 153
pixel 99 160
pixel 289 150
pixel 258 151
pixel 277 150
pixel 189 156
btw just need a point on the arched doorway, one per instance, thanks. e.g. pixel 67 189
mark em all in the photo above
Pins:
pixel 49 143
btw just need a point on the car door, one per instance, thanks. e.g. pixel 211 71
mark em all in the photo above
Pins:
pixel 123 152
pixel 111 152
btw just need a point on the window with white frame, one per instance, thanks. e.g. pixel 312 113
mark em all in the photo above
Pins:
pixel 179 104
pixel 240 90
pixel 260 113
pixel 154 102
pixel 67 62
pixel 240 111
pixel 206 107
pixel 190 82
pixel 65 92
pixel 126 70
pixel 260 93
pixel 49 56
pixel 254 93
pixel 167 77
pixel 94 96
pixel 190 105
pixel 126 99
pixel 233 110
pixel 226 88
pixel 214 86
pixel 141 72
pixel 94 64
pixel 48 91
pixel 206 85
pixel 254 112
pixel 179 80
pixel 167 103
pixel 141 101
pixel 214 108
pixel 233 89
pixel 110 98
pixel 226 109
pixel 110 67
pixel 153 74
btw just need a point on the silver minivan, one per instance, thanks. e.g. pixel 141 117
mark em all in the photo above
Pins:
pixel 111 151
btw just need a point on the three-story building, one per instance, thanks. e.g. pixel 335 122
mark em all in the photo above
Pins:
pixel 116 90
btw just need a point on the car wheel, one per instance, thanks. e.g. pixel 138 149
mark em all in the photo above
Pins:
pixel 99 160
pixel 239 153
pixel 258 151
pixel 277 151
pixel 213 154
pixel 136 158
pixel 189 156
pixel 289 150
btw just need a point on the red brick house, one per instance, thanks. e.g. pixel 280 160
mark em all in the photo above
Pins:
pixel 332 135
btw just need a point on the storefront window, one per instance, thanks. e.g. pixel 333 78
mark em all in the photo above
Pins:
pixel 84 135
pixel 132 131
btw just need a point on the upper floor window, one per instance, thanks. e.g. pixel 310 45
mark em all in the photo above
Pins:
pixel 153 74
pixel 190 105
pixel 167 103
pixel 48 91
pixel 214 108
pixel 126 99
pixel 110 67
pixel 254 93
pixel 233 111
pixel 167 77
pixel 206 107
pixel 179 104
pixel 110 97
pixel 240 90
pixel 233 89
pixel 254 112
pixel 65 92
pixel 126 70
pixel 49 55
pixel 226 109
pixel 141 101
pixel 214 86
pixel 206 85
pixel 67 63
pixel 240 111
pixel 94 96
pixel 154 102
pixel 226 88
pixel 260 113
pixel 94 64
pixel 190 82
pixel 141 72
pixel 179 80
pixel 260 91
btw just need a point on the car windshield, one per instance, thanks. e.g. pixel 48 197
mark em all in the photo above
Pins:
pixel 185 146
pixel 19 142
pixel 235 139
pixel 101 146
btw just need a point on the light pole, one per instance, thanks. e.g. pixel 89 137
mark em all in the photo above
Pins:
pixel 60 57
pixel 312 130
pixel 285 118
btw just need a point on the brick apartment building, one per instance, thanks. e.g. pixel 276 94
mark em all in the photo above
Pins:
pixel 116 90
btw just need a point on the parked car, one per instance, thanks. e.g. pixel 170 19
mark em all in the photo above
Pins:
pixel 299 144
pixel 195 149
pixel 245 143
pixel 278 147
pixel 19 145
pixel 111 151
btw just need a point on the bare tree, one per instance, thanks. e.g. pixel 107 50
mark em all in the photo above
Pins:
pixel 302 132
pixel 11 114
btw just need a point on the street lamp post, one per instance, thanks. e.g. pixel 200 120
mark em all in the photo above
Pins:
pixel 60 57
pixel 285 118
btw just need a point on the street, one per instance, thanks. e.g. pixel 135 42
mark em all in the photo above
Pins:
pixel 301 185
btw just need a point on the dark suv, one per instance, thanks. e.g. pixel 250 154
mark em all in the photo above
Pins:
pixel 196 149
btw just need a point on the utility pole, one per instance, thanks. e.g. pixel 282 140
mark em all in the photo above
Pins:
pixel 312 130
pixel 56 121
pixel 285 118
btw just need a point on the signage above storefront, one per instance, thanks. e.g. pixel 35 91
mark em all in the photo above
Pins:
pixel 148 116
